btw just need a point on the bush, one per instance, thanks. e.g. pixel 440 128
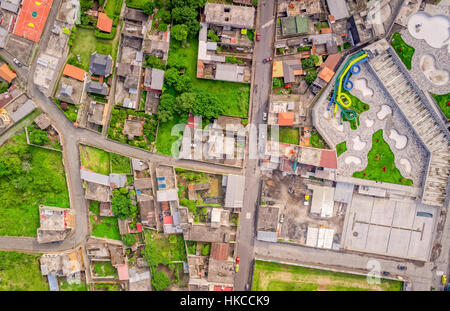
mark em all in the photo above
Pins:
pixel 160 281
pixel 128 239
pixel 307 63
pixel 205 250
pixel 233 60
pixel 154 62
pixel 277 82
pixel 213 36
pixel 104 35
pixel 38 137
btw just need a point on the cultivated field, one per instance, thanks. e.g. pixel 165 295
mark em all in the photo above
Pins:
pixel 270 276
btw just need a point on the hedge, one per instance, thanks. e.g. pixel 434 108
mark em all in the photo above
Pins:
pixel 106 36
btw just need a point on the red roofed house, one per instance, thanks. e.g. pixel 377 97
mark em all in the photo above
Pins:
pixel 219 251
pixel 139 227
pixel 7 74
pixel 328 159
pixel 104 23
pixel 74 72
pixel 285 118
pixel 167 220
pixel 122 270
pixel 218 288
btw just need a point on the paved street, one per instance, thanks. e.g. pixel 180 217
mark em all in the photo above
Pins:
pixel 262 81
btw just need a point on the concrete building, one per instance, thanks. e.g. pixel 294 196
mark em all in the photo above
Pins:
pixel 55 224
pixel 230 15
pixel 267 226
pixel 234 197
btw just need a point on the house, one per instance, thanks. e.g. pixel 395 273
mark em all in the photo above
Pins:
pixel 23 110
pixel 100 64
pixel 7 74
pixel 135 15
pixel 42 121
pixel 294 25
pixel 220 251
pixel 234 197
pixel 104 23
pixel 153 80
pixel 74 72
pixel 221 271
pixel 97 88
pixel 286 118
pixel 95 112
pixel 267 223
pixel 97 192
pixel 11 5
pixel 287 69
pixel 147 210
pixel 338 9
pixel 230 15
pixel 65 91
pixel 55 224
pixel 106 209
pixel 142 183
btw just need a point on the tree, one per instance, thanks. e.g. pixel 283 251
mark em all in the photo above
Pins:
pixel 184 14
pixel 39 137
pixel 160 281
pixel 3 86
pixel 307 63
pixel 180 32
pixel 183 84
pixel 185 102
pixel 207 105
pixel 154 62
pixel 311 76
pixel 171 76
pixel 129 239
pixel 159 4
pixel 166 107
pixel 149 7
pixel 177 61
pixel 277 82
pixel 205 249
pixel 85 5
pixel 162 27
pixel 122 206
pixel 212 35
pixel 166 17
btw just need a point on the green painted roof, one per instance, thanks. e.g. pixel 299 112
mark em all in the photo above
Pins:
pixel 294 25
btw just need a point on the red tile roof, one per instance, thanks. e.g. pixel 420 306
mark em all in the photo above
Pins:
pixel 6 73
pixel 74 72
pixel 328 159
pixel 286 118
pixel 167 220
pixel 122 270
pixel 219 251
pixel 104 23
pixel 139 227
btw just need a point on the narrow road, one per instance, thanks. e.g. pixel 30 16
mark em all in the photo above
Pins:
pixel 262 80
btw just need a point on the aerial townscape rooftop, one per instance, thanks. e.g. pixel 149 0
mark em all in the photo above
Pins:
pixel 237 145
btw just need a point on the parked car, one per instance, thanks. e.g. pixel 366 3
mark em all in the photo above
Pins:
pixel 17 62
pixel 237 267
pixel 281 218
pixel 400 267
pixel 237 259
pixel 444 279
pixel 270 202
pixel 258 36
pixel 267 59
pixel 385 273
pixel 264 116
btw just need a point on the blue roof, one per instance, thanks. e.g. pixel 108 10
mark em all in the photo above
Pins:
pixel 53 282
pixel 161 178
pixel 162 186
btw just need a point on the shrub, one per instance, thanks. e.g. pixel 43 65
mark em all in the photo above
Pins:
pixel 205 250
pixel 160 281
pixel 212 35
pixel 129 239
pixel 277 82
pixel 307 63
pixel 104 35
pixel 233 60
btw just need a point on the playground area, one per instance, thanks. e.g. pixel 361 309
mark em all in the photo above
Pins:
pixel 357 107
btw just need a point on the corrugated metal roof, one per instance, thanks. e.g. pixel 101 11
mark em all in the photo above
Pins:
pixel 94 177
pixel 343 192
pixel 267 236
pixel 234 196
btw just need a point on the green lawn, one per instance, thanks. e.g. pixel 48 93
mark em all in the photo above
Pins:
pixel 29 176
pixel 164 138
pixel 381 165
pixel 105 268
pixel 20 272
pixel 66 287
pixel 358 106
pixel 120 164
pixel 234 96
pixel 94 159
pixel 273 276
pixel 317 141
pixel 111 7
pixel 167 249
pixel 341 148
pixel 443 102
pixel 404 51
pixel 287 135
pixel 105 227
pixel 106 287
pixel 136 4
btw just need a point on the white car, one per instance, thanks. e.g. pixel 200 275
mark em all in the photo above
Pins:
pixel 265 116
pixel 17 62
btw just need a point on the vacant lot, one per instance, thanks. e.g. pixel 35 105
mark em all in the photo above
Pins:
pixel 94 159
pixel 105 268
pixel 120 164
pixel 278 277
pixel 105 227
pixel 36 174
pixel 66 287
pixel 381 165
pixel 287 135
pixel 164 138
pixel 20 272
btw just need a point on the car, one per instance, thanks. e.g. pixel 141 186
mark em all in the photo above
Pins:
pixel 264 116
pixel 237 267
pixel 386 273
pixel 400 267
pixel 247 286
pixel 267 59
pixel 237 259
pixel 258 36
pixel 270 202
pixel 444 279
pixel 281 218
pixel 17 62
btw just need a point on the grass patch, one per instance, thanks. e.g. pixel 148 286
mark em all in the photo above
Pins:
pixel 20 272
pixel 105 268
pixel 404 51
pixel 381 165
pixel 443 101
pixel 105 227
pixel 136 4
pixel 120 164
pixel 358 106
pixel 317 141
pixel 94 159
pixel 38 176
pixel 279 277
pixel 341 148
pixel 163 250
pixel 234 96
pixel 71 111
pixel 164 139
pixel 66 287
pixel 287 135
pixel 110 287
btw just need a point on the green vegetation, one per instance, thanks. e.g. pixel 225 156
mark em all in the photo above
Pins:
pixel 404 51
pixel 347 45
pixel 160 281
pixel 121 204
pixel 159 250
pixel 129 239
pixel 64 286
pixel 37 136
pixel 358 106
pixel 307 63
pixel 443 101
pixel 273 276
pixel 381 165
pixel 94 207
pixel 191 247
pixel 277 82
pixel 105 227
pixel 36 174
pixel 311 75
pixel 206 249
pixel 105 268
pixel 165 139
pixel 71 111
pixel 20 272
pixel 94 159
pixel 321 25
pixel 136 4
pixel 317 141
pixel 341 148
pixel 287 135
pixel 106 286
pixel 120 164
pixel 115 130
pixel 154 62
